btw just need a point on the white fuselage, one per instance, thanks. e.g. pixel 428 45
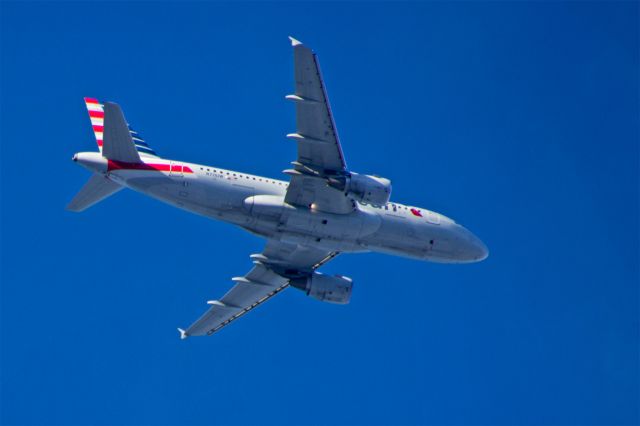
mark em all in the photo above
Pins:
pixel 256 204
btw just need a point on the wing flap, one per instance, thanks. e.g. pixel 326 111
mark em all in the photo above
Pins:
pixel 310 190
pixel 246 292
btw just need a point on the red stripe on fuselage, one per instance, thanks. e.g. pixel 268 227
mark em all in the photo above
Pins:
pixel 121 165
pixel 157 167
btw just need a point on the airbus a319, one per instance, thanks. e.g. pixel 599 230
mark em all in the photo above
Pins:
pixel 323 210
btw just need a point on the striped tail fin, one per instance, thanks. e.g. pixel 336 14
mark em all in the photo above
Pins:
pixel 96 114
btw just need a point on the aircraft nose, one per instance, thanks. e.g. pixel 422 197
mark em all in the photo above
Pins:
pixel 75 157
pixel 480 250
pixel 472 248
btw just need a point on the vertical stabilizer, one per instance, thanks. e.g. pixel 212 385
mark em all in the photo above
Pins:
pixel 118 143
pixel 96 111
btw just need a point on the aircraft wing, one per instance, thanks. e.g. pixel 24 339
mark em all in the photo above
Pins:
pixel 319 152
pixel 267 278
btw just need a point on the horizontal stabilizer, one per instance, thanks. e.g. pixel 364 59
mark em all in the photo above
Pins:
pixel 96 189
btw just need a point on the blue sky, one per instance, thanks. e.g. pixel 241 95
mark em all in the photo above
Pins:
pixel 518 119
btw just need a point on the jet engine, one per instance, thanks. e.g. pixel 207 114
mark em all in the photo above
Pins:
pixel 364 188
pixel 326 288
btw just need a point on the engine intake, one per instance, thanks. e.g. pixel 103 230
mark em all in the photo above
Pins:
pixel 326 288
pixel 364 188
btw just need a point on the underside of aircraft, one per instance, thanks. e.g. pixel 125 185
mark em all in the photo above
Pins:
pixel 323 210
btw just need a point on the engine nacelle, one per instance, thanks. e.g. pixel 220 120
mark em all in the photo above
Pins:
pixel 364 188
pixel 326 288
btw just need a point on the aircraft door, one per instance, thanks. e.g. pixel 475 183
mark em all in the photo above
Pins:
pixel 176 169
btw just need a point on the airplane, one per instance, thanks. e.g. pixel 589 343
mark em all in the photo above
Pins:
pixel 323 210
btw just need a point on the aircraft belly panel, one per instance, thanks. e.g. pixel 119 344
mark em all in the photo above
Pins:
pixel 326 225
